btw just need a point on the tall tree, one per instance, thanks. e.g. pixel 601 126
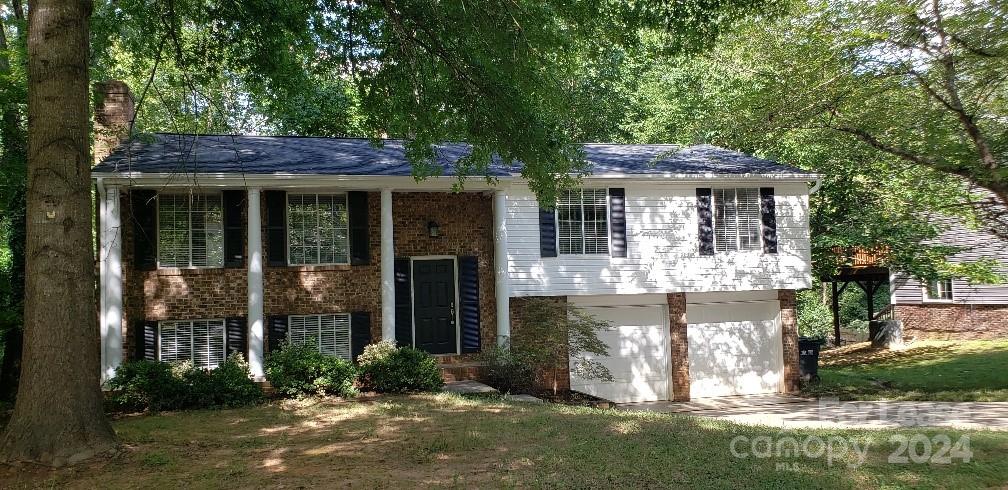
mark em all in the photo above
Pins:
pixel 58 417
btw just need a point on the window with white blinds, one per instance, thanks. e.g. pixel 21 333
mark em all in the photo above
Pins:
pixel 583 222
pixel 736 219
pixel 331 333
pixel 190 230
pixel 199 341
pixel 317 229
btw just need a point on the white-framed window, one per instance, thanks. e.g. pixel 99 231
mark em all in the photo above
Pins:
pixel 582 217
pixel 317 227
pixel 736 219
pixel 331 333
pixel 199 341
pixel 190 230
pixel 938 290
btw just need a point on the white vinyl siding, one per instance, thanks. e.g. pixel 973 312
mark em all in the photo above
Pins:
pixel 330 333
pixel 317 229
pixel 199 341
pixel 736 219
pixel 190 230
pixel 582 222
pixel 662 253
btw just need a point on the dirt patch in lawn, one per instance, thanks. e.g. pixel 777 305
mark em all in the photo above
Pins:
pixel 864 353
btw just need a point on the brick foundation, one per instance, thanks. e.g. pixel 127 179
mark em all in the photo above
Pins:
pixel 953 321
pixel 679 346
pixel 789 336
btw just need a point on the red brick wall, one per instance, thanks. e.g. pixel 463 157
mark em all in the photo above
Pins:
pixel 789 334
pixel 303 290
pixel 544 377
pixel 953 321
pixel 466 222
pixel 175 294
pixel 679 346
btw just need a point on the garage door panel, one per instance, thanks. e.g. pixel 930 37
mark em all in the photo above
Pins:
pixel 637 357
pixel 734 349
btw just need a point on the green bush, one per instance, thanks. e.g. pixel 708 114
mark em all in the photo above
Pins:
pixel 399 370
pixel 229 385
pixel 147 385
pixel 508 370
pixel 300 369
pixel 157 386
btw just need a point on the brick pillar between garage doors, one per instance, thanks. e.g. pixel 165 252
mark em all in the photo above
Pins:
pixel 789 337
pixel 679 346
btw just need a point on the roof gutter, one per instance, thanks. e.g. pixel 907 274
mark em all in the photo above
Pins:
pixel 474 182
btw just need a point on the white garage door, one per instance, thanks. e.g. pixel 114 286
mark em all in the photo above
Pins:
pixel 734 348
pixel 638 354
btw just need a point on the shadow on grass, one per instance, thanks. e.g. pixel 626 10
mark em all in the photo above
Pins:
pixel 971 372
pixel 448 440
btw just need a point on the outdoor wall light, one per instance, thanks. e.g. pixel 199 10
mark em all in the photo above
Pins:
pixel 433 229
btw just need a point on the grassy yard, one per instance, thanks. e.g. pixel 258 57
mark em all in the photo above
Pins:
pixel 447 440
pixel 945 371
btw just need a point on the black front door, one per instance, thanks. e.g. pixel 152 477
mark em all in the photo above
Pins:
pixel 434 305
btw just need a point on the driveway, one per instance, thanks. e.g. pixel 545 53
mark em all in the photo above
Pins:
pixel 794 412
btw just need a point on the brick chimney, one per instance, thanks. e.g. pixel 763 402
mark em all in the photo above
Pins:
pixel 114 109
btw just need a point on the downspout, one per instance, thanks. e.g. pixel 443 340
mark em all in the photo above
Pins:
pixel 816 184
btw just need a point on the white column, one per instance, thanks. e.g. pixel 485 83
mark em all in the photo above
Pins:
pixel 502 286
pixel 111 280
pixel 255 287
pixel 387 267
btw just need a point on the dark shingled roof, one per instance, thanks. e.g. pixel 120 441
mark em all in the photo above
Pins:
pixel 169 153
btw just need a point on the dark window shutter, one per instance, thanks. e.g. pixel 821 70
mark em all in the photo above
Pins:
pixel 768 218
pixel 276 228
pixel 469 309
pixel 403 304
pixel 706 220
pixel 145 340
pixel 234 228
pixel 360 333
pixel 277 331
pixel 236 330
pixel 617 221
pixel 547 233
pixel 357 217
pixel 144 205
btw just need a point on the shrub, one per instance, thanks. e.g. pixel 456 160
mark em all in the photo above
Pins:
pixel 157 386
pixel 508 370
pixel 147 385
pixel 399 370
pixel 377 351
pixel 555 335
pixel 229 385
pixel 300 369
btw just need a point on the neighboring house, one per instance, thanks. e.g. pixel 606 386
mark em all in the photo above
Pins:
pixel 217 244
pixel 953 308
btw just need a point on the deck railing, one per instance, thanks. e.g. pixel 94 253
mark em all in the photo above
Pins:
pixel 859 257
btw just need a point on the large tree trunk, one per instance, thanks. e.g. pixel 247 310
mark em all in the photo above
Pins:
pixel 58 417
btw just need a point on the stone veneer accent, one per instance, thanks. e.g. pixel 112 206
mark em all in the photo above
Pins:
pixel 789 337
pixel 544 377
pixel 466 222
pixel 951 321
pixel 679 346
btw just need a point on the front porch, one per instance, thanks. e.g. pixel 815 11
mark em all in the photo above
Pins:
pixel 428 276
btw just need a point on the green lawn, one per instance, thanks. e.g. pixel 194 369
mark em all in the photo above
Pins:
pixel 447 440
pixel 945 371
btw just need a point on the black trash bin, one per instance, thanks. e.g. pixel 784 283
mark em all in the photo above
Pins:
pixel 808 358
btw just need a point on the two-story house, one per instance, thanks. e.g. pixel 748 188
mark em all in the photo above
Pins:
pixel 216 244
